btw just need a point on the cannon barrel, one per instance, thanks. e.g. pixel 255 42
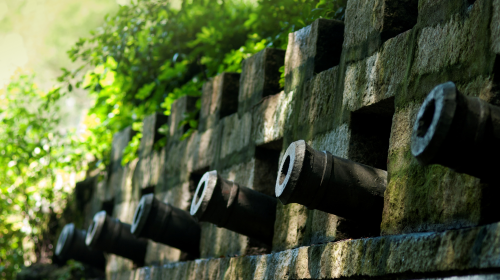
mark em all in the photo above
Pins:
pixel 237 208
pixel 320 180
pixel 71 245
pixel 112 236
pixel 458 132
pixel 163 223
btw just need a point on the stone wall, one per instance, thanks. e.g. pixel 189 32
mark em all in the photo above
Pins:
pixel 352 88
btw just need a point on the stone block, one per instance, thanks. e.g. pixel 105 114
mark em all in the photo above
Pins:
pixel 319 102
pixel 148 171
pixel 204 148
pixel 219 242
pixel 369 23
pixel 433 12
pixel 181 106
pixel 150 134
pixel 128 191
pixel 259 77
pixel 159 254
pixel 495 27
pixel 379 76
pixel 269 118
pixel 219 99
pixel 116 263
pixel 289 227
pixel 235 143
pixel 125 211
pixel 116 170
pixel 311 50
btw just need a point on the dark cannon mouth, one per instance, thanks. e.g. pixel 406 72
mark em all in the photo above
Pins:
pixel 433 122
pixel 427 117
pixel 65 239
pixel 203 193
pixel 95 229
pixel 141 214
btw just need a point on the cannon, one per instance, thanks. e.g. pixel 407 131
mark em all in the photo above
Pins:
pixel 112 236
pixel 163 223
pixel 71 245
pixel 457 131
pixel 234 207
pixel 322 181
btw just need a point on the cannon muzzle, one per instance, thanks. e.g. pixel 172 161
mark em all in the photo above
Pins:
pixel 163 223
pixel 71 245
pixel 237 208
pixel 457 131
pixel 112 236
pixel 320 180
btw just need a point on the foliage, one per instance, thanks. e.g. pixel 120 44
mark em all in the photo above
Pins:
pixel 34 157
pixel 151 53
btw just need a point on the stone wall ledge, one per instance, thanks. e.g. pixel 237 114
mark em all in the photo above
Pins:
pixel 419 255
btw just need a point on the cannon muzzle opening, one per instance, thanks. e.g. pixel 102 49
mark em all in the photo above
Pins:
pixel 71 245
pixel 166 224
pixel 433 122
pixel 237 208
pixel 458 132
pixel 112 236
pixel 319 180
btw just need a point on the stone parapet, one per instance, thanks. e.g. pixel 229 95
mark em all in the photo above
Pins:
pixel 454 252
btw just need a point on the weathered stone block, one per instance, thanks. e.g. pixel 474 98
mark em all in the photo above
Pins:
pixel 269 118
pixel 203 148
pixel 150 134
pixel 369 23
pixel 148 171
pixel 495 27
pixel 115 170
pixel 125 211
pixel 432 12
pixel 235 140
pixel 379 76
pixel 319 102
pixel 311 50
pixel 220 242
pixel 219 99
pixel 128 191
pixel 180 107
pixel 289 226
pixel 259 77
pixel 159 254
pixel 116 263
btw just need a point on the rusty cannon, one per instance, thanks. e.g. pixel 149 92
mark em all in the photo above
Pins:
pixel 163 223
pixel 457 131
pixel 71 245
pixel 234 207
pixel 322 181
pixel 112 236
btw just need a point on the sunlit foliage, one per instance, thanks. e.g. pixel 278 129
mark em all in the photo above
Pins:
pixel 34 157
pixel 151 53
